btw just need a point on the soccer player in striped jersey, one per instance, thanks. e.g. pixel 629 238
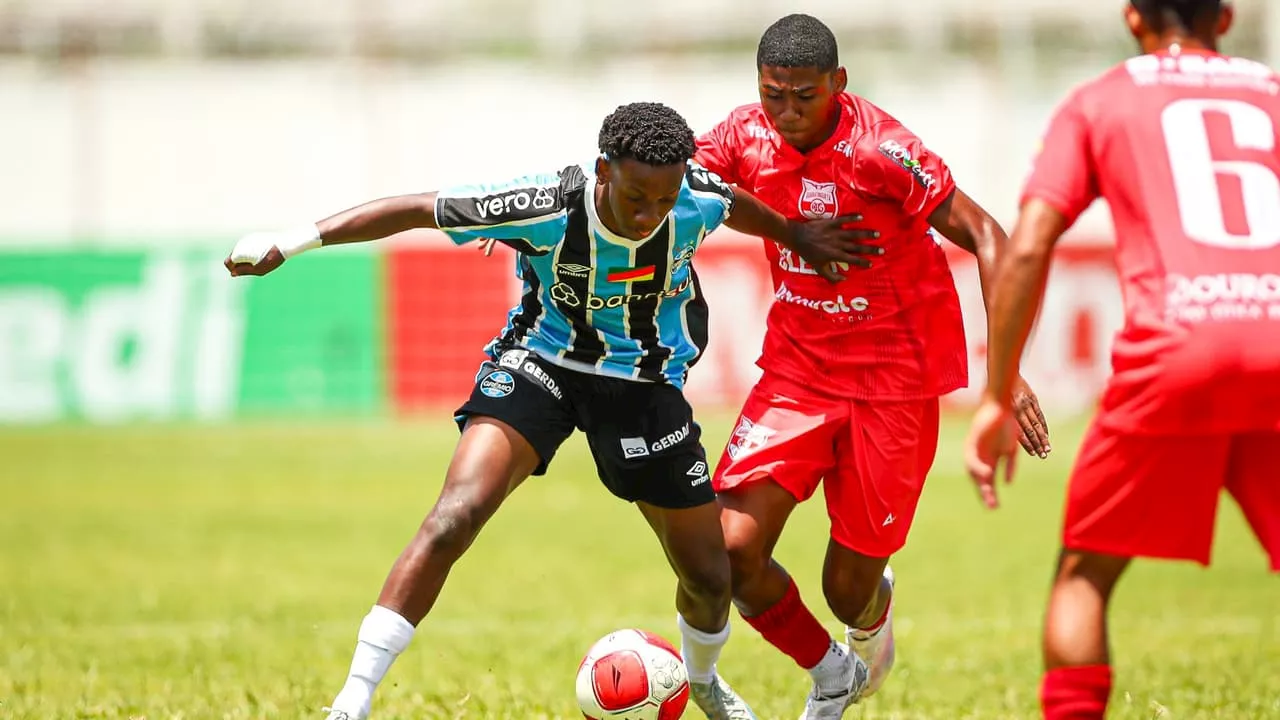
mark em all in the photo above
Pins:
pixel 611 320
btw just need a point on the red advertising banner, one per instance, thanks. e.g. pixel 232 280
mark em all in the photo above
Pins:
pixel 444 304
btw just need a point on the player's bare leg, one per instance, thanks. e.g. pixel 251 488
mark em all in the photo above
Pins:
pixel 694 546
pixel 859 591
pixel 1077 680
pixel 491 460
pixel 753 518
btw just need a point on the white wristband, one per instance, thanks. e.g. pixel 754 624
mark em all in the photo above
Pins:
pixel 298 240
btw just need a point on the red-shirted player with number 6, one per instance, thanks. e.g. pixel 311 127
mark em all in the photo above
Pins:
pixel 1181 142
pixel 853 369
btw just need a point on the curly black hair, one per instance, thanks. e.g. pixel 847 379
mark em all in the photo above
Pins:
pixel 649 132
pixel 798 41
pixel 1187 14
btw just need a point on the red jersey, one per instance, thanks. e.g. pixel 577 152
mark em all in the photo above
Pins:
pixel 893 332
pixel 1183 148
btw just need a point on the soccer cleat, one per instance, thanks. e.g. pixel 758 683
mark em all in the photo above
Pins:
pixel 718 701
pixel 831 706
pixel 875 649
pixel 338 715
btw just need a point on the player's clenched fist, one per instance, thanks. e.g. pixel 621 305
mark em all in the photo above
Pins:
pixel 261 252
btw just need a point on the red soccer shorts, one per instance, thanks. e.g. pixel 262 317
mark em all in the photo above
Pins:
pixel 874 455
pixel 1157 495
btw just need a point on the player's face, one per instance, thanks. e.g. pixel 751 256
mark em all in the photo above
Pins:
pixel 638 196
pixel 800 102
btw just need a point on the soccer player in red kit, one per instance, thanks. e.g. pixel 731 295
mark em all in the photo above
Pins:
pixel 853 369
pixel 1181 143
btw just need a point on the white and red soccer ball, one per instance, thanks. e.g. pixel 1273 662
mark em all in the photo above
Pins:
pixel 632 675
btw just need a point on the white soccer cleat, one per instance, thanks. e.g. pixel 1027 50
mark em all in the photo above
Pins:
pixel 831 706
pixel 718 701
pixel 876 650
pixel 340 715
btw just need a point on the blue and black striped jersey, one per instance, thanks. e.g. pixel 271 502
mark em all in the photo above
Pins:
pixel 594 301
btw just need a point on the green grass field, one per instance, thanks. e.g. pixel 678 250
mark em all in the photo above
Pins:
pixel 221 572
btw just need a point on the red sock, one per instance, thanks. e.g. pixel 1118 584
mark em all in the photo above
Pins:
pixel 1076 693
pixel 790 627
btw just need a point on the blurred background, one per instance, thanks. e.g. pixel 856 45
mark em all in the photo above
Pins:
pixel 141 137
pixel 204 480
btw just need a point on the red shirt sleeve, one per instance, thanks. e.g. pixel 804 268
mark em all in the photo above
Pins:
pixel 717 151
pixel 1063 171
pixel 894 164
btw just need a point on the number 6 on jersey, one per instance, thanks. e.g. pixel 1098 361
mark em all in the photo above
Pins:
pixel 1198 176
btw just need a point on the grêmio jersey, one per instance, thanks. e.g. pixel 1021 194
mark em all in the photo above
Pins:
pixel 592 300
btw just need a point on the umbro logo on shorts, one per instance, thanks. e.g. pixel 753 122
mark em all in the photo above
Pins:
pixel 699 473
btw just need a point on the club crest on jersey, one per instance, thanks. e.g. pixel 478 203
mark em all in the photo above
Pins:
pixel 818 200
pixel 682 257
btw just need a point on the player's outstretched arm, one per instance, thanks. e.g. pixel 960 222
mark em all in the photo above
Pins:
pixel 965 223
pixel 820 242
pixel 1018 291
pixel 260 253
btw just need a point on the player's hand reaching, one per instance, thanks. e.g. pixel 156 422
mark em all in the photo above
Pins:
pixel 252 256
pixel 1033 429
pixel 261 252
pixel 991 441
pixel 828 245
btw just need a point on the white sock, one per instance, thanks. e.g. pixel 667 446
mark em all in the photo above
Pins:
pixel 700 650
pixel 828 673
pixel 384 634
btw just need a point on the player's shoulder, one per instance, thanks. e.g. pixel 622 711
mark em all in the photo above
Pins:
pixel 871 125
pixel 527 199
pixel 864 111
pixel 877 136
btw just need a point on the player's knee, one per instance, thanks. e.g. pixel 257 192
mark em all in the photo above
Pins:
pixel 747 562
pixel 709 583
pixel 850 594
pixel 1098 571
pixel 451 526
pixel 447 533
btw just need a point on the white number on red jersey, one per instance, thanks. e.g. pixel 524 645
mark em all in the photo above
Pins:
pixel 1196 173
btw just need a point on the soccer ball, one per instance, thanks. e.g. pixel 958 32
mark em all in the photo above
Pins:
pixel 632 675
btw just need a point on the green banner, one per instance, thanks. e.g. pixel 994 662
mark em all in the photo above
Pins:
pixel 314 340
pixel 116 336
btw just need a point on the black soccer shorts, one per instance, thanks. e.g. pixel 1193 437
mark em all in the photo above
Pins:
pixel 642 435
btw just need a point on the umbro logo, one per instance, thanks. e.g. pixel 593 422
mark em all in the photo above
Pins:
pixel 698 471
pixel 573 270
